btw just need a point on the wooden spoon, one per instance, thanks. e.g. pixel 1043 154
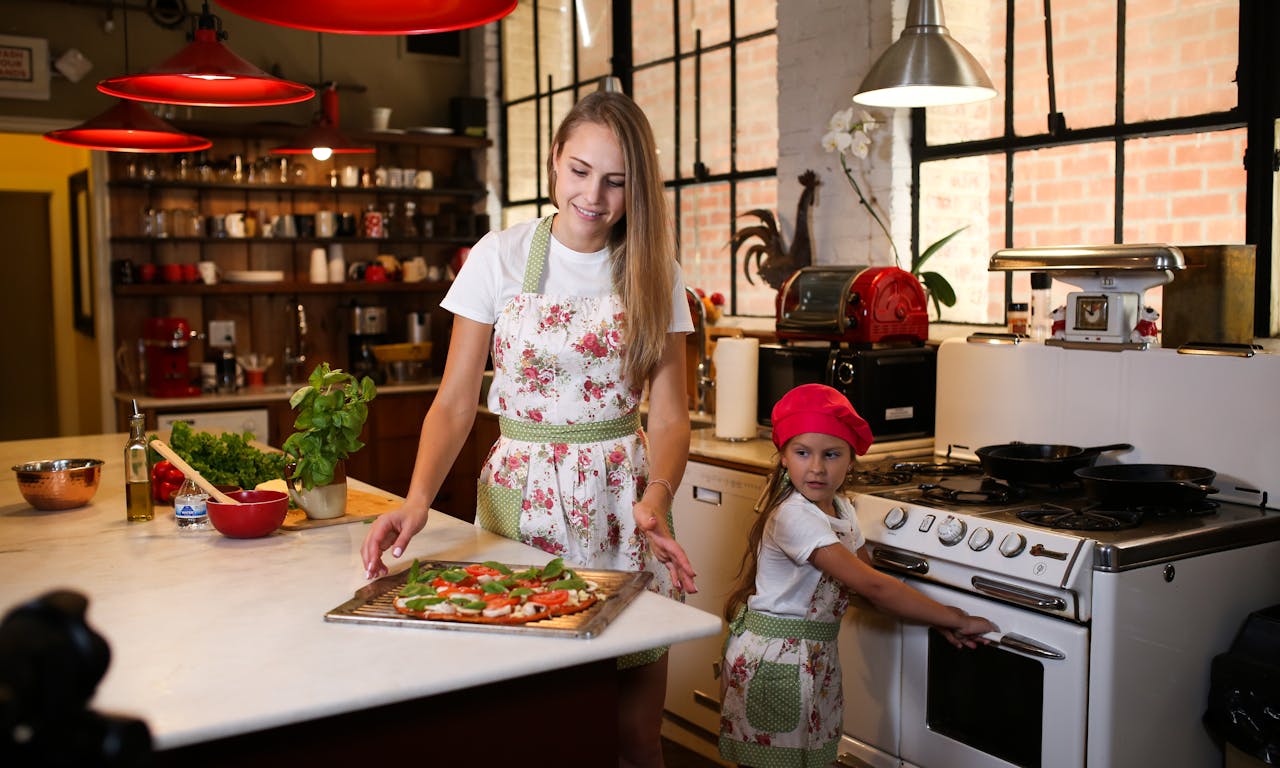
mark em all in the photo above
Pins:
pixel 164 450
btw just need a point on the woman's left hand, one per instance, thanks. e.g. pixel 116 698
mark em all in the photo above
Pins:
pixel 664 546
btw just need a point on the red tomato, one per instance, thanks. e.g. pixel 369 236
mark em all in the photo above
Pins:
pixel 529 583
pixel 717 298
pixel 440 582
pixel 477 570
pixel 457 591
pixel 498 601
pixel 554 597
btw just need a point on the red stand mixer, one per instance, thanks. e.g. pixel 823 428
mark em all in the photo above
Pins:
pixel 166 341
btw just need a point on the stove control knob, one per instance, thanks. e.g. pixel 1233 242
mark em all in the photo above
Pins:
pixel 951 531
pixel 1013 544
pixel 895 518
pixel 980 539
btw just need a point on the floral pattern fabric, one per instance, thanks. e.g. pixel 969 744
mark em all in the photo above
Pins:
pixel 558 361
pixel 782 701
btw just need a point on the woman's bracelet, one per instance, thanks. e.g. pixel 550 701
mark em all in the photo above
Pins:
pixel 665 484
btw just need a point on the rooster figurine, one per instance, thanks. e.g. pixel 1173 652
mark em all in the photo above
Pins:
pixel 774 261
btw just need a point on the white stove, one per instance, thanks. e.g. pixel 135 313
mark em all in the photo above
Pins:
pixel 1106 635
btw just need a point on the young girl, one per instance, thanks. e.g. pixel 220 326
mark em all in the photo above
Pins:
pixel 780 679
pixel 584 308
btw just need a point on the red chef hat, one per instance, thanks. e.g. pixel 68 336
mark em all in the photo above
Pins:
pixel 819 408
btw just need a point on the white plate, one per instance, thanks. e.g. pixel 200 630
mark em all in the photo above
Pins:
pixel 253 276
pixel 434 129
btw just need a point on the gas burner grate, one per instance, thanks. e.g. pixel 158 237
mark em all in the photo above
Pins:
pixel 1087 519
pixel 965 490
pixel 940 469
pixel 872 477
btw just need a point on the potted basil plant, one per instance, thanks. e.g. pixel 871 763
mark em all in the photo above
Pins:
pixel 331 411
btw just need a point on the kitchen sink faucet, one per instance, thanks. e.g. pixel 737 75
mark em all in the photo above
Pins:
pixel 295 355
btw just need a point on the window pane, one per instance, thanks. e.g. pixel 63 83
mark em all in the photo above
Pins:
pixel 1180 57
pixel 754 297
pixel 651 30
pixel 709 16
pixel 979 27
pixel 757 111
pixel 655 93
pixel 555 54
pixel 518 213
pixel 704 230
pixel 1187 190
pixel 755 16
pixel 1084 64
pixel 595 38
pixel 517 52
pixel 1065 195
pixel 522 164
pixel 965 192
pixel 714 106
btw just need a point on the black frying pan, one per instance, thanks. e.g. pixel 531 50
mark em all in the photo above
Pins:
pixel 1040 463
pixel 1130 485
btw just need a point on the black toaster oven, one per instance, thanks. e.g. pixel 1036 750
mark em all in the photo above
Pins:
pixel 892 388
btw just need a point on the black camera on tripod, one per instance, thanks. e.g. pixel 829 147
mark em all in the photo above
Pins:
pixel 51 662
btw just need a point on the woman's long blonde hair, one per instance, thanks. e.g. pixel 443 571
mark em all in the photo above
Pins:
pixel 777 489
pixel 642 243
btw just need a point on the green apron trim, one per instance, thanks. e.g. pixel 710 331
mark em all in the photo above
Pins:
pixel 586 432
pixel 772 626
pixel 537 256
pixel 498 509
pixel 773 697
pixel 782 757
pixel 640 658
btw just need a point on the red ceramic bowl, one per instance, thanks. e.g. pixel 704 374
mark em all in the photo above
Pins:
pixel 258 513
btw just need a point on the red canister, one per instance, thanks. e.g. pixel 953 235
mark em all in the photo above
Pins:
pixel 373 224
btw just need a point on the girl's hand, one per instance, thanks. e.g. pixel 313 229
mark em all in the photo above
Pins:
pixel 664 546
pixel 394 529
pixel 969 634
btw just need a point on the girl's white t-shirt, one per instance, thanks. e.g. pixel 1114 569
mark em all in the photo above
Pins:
pixel 494 271
pixel 785 579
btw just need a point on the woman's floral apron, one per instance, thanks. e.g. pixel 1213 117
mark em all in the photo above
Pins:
pixel 572 459
pixel 780 684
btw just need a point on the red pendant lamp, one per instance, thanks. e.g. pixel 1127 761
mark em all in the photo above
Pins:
pixel 373 17
pixel 323 139
pixel 128 127
pixel 207 74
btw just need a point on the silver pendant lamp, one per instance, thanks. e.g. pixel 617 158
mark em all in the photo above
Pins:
pixel 925 67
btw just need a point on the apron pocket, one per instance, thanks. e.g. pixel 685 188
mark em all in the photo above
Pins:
pixel 773 697
pixel 498 509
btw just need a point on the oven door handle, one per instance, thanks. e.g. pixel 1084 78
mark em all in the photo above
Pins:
pixel 1030 647
pixel 1018 595
pixel 899 561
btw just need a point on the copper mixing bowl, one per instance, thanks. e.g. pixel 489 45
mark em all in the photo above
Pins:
pixel 59 483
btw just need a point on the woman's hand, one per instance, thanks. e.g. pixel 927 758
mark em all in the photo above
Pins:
pixel 663 545
pixel 394 529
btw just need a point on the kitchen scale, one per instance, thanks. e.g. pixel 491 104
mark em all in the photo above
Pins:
pixel 1112 280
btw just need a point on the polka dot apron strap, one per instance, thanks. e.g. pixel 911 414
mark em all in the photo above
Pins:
pixel 537 261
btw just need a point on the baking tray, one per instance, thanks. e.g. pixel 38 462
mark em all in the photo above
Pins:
pixel 374 604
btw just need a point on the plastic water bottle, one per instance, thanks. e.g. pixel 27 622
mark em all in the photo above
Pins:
pixel 190 507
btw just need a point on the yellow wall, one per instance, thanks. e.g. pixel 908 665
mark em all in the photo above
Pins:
pixel 29 163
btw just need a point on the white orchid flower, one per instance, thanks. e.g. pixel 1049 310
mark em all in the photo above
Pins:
pixel 860 144
pixel 841 121
pixel 867 121
pixel 837 141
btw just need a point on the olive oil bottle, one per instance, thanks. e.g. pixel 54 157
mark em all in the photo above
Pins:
pixel 137 472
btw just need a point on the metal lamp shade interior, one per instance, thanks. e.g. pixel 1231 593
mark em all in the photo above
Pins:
pixel 128 127
pixel 925 67
pixel 373 17
pixel 206 74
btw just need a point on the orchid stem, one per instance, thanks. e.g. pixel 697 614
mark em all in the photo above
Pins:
pixel 871 210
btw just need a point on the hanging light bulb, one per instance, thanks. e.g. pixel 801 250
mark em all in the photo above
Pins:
pixel 373 17
pixel 925 67
pixel 322 139
pixel 128 127
pixel 206 74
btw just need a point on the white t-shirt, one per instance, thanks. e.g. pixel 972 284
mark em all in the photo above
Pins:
pixel 494 271
pixel 785 579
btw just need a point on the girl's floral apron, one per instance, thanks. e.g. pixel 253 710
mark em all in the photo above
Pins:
pixel 572 459
pixel 780 684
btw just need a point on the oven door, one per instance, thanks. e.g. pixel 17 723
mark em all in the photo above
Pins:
pixel 1019 702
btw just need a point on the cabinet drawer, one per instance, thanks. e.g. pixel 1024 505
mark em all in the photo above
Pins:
pixel 399 416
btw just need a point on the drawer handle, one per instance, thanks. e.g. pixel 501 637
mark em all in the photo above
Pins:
pixel 1018 595
pixel 706 495
pixel 899 561
pixel 1030 647
pixel 706 700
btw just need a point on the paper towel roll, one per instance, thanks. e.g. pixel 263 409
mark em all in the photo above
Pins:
pixel 736 361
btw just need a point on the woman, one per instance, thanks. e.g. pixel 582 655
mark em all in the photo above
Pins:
pixel 584 309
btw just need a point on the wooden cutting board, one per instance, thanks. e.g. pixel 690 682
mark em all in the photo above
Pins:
pixel 361 506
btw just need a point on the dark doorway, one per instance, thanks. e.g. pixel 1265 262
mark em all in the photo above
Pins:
pixel 28 394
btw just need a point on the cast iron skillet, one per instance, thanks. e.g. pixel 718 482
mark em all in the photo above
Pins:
pixel 1129 485
pixel 1039 463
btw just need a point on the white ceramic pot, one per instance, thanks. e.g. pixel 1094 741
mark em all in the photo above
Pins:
pixel 324 502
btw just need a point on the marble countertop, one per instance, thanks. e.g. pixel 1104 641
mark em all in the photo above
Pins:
pixel 213 637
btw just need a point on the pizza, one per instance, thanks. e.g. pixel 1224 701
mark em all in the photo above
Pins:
pixel 493 593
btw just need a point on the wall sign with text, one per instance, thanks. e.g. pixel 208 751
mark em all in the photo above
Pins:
pixel 24 67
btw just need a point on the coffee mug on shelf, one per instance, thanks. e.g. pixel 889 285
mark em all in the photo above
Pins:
pixel 349 176
pixel 325 224
pixel 305 225
pixel 235 224
pixel 424 179
pixel 171 273
pixel 375 273
pixel 190 273
pixel 209 272
pixel 346 224
pixel 415 270
pixel 356 270
pixel 147 273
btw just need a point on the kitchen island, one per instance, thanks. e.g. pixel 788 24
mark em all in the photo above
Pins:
pixel 221 646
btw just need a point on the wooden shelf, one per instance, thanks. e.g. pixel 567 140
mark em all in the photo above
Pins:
pixel 475 193
pixel 304 241
pixel 152 290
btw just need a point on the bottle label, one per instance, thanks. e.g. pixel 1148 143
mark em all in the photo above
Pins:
pixel 190 508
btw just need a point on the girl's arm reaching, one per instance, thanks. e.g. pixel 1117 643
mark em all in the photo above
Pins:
pixel 892 596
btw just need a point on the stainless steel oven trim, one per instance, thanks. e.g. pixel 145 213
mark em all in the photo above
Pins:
pixel 1018 595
